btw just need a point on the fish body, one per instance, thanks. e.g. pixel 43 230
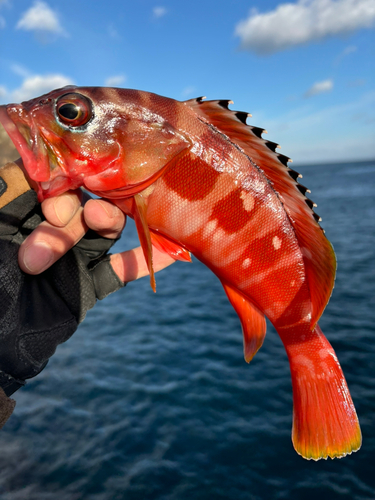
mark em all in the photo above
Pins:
pixel 197 179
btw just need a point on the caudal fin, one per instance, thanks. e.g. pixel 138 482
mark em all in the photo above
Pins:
pixel 325 422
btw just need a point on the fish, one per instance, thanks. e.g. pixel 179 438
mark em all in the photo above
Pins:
pixel 198 179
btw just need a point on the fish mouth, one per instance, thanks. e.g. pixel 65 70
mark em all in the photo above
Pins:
pixel 41 163
pixel 21 140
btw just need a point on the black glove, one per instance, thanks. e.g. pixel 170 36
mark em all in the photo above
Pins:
pixel 39 312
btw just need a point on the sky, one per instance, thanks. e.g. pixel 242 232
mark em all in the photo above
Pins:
pixel 305 69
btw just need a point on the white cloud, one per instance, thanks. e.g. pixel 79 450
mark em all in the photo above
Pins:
pixel 115 81
pixel 41 18
pixel 292 24
pixel 2 22
pixel 349 50
pixel 346 52
pixel 3 92
pixel 20 70
pixel 319 88
pixel 34 86
pixel 159 11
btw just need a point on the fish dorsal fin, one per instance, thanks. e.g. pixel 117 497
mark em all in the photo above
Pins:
pixel 318 255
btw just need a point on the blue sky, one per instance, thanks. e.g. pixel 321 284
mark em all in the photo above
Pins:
pixel 304 69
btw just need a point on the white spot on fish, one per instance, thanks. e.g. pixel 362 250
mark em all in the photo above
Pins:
pixel 178 220
pixel 248 201
pixel 286 261
pixel 323 353
pixel 276 242
pixel 276 310
pixel 304 361
pixel 224 248
pixel 220 236
pixel 292 283
pixel 246 263
pixel 255 184
pixel 197 148
pixel 209 228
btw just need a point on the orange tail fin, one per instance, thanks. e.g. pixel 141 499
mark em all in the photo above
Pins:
pixel 325 422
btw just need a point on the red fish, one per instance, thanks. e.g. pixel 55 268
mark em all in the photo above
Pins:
pixel 196 178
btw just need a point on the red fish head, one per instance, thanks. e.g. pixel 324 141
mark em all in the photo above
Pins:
pixel 101 138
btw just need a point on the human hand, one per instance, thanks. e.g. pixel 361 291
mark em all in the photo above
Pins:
pixel 66 268
pixel 68 217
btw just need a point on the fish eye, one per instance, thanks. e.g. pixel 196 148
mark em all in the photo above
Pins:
pixel 69 111
pixel 74 110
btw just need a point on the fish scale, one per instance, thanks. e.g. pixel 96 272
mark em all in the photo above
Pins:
pixel 234 238
pixel 196 178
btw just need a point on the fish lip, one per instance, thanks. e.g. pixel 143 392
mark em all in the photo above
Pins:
pixel 33 151
pixel 23 147
pixel 29 145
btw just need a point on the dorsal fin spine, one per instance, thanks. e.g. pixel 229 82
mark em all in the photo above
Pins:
pixel 309 203
pixel 284 159
pixel 302 188
pixel 242 116
pixel 257 131
pixel 293 174
pixel 317 217
pixel 224 103
pixel 272 145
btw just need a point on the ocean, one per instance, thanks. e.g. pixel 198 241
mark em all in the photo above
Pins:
pixel 151 399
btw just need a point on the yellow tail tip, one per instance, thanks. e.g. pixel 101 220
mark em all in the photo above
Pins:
pixel 315 451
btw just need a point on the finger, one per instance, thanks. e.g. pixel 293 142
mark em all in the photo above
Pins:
pixel 60 210
pixel 104 218
pixel 131 265
pixel 47 243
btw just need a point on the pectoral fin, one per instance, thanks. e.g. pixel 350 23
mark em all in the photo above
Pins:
pixel 139 213
pixel 170 247
pixel 252 320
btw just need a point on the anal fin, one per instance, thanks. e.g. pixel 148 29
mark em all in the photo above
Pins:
pixel 252 320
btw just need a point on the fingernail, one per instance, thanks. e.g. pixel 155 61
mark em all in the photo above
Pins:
pixel 111 210
pixel 38 257
pixel 64 208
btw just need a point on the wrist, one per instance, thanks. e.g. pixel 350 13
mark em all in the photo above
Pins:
pixel 13 183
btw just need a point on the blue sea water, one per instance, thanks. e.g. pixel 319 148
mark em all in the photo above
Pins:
pixel 151 398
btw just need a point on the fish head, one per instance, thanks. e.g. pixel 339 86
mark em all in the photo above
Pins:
pixel 99 138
